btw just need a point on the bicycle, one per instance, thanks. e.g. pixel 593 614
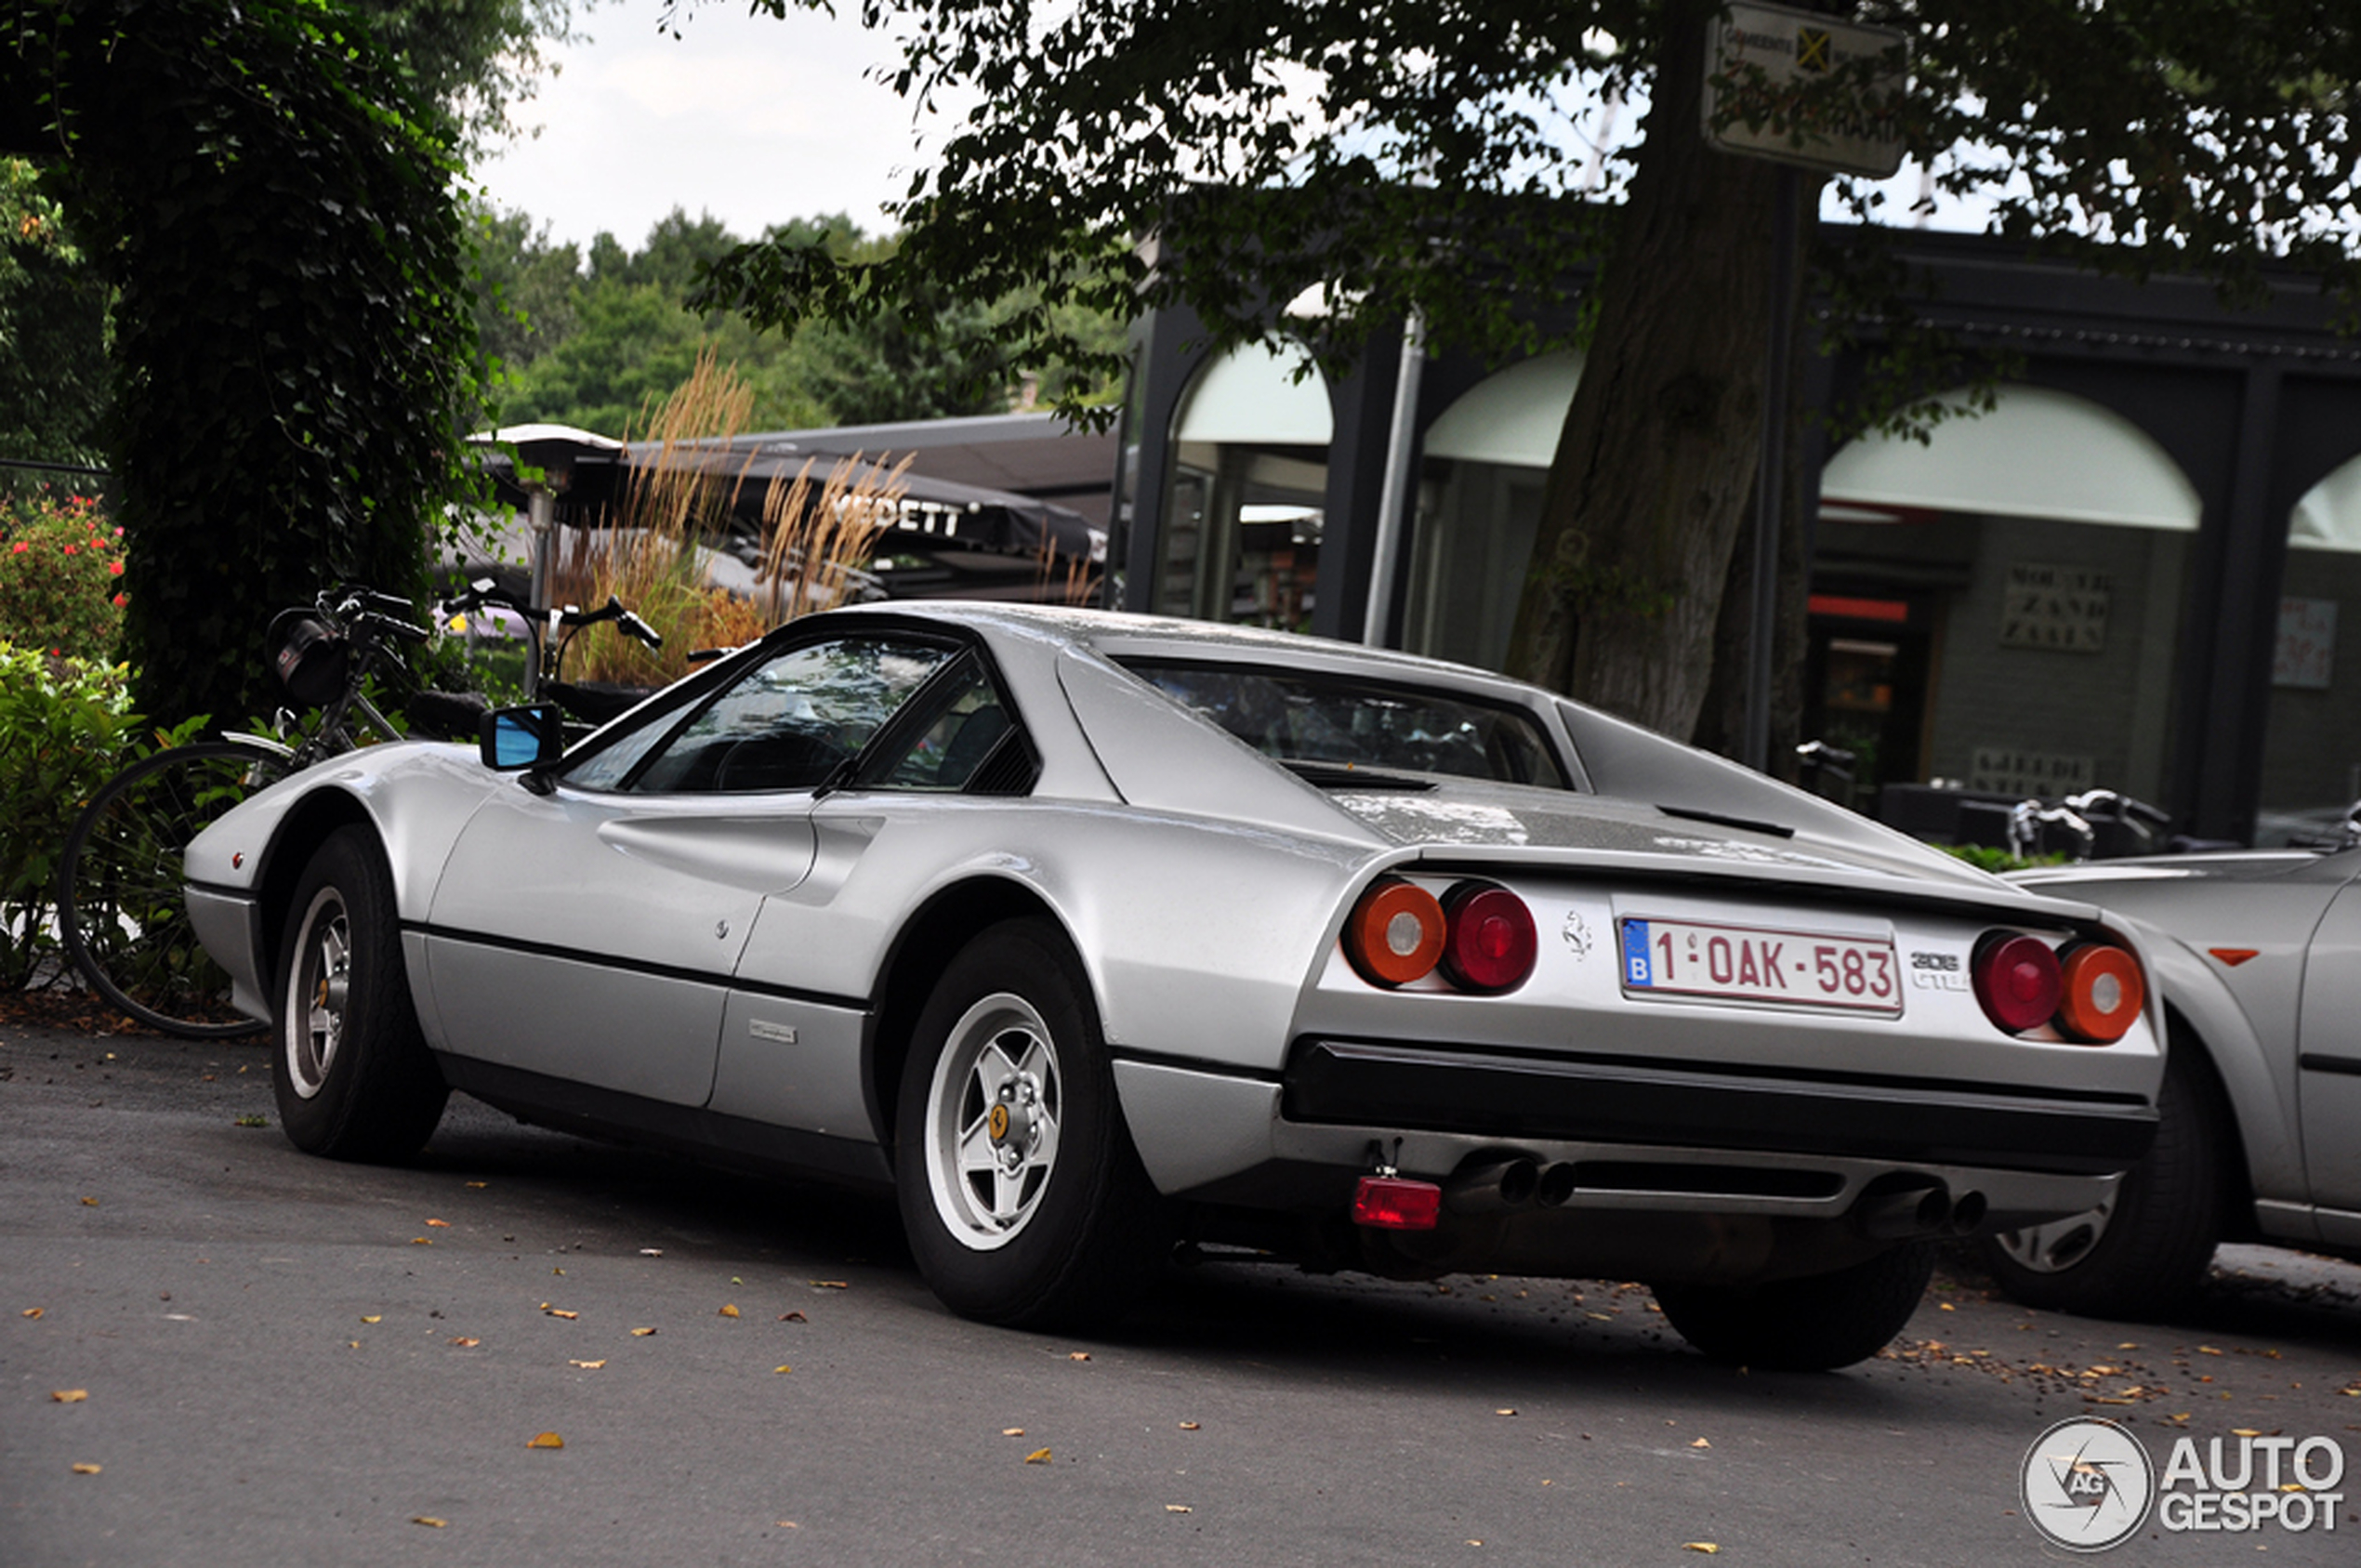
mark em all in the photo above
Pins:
pixel 122 916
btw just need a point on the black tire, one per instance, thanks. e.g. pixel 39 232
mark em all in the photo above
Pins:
pixel 2144 1256
pixel 1811 1324
pixel 121 911
pixel 348 1066
pixel 1001 1232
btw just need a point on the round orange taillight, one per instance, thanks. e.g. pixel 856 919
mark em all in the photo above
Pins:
pixel 1395 934
pixel 2102 994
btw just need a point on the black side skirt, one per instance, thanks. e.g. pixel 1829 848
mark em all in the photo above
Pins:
pixel 612 1116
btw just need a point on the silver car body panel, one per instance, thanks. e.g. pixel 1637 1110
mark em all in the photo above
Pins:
pixel 727 954
pixel 2282 1028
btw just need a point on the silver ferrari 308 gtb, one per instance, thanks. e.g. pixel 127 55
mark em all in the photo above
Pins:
pixel 1103 940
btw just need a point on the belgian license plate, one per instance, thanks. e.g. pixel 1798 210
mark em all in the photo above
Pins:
pixel 1748 964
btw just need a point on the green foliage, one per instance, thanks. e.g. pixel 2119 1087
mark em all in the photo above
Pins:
pixel 293 335
pixel 64 725
pixel 1984 857
pixel 60 579
pixel 1268 146
pixel 598 347
pixel 53 337
pixel 474 59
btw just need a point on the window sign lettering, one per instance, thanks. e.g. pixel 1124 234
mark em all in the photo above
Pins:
pixel 2063 608
pixel 2307 647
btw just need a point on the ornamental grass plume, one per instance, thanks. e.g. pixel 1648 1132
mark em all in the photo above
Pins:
pixel 651 550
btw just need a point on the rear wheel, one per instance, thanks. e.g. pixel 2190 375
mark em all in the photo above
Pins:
pixel 2145 1254
pixel 122 913
pixel 1809 1324
pixel 1024 1200
pixel 350 1068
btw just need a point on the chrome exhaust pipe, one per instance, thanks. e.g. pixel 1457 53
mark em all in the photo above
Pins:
pixel 1492 1187
pixel 1557 1185
pixel 1966 1214
pixel 1904 1214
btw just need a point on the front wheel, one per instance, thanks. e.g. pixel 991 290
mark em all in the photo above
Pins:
pixel 2145 1254
pixel 1815 1324
pixel 122 913
pixel 1024 1200
pixel 349 1067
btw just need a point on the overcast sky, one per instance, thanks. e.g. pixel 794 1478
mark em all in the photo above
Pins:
pixel 754 120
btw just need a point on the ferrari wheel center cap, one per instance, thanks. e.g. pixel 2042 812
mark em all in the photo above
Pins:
pixel 1010 1124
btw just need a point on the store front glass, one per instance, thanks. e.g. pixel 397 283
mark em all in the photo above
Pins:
pixel 1486 461
pixel 2311 744
pixel 1242 519
pixel 1998 609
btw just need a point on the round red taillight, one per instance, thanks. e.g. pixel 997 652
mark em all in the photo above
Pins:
pixel 2104 992
pixel 2017 979
pixel 1395 934
pixel 1491 943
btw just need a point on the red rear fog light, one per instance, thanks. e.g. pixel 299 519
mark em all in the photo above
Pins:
pixel 2017 979
pixel 1396 1203
pixel 1491 943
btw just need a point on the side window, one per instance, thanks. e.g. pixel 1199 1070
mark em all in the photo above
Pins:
pixel 789 721
pixel 943 747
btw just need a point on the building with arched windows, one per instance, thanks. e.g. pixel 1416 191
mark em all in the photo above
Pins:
pixel 2132 572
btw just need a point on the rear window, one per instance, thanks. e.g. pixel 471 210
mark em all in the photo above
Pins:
pixel 1306 719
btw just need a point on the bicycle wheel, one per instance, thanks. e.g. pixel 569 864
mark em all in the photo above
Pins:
pixel 120 908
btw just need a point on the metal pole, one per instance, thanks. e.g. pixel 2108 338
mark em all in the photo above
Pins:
pixel 1771 478
pixel 542 513
pixel 1393 498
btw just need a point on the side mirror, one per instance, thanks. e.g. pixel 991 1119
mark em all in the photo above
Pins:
pixel 516 738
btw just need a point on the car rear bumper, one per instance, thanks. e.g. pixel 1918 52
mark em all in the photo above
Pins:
pixel 1606 1099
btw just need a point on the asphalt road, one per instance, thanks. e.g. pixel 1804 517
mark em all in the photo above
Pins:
pixel 288 1361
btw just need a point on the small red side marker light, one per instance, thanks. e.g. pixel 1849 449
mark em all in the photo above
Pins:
pixel 1396 1203
pixel 2233 956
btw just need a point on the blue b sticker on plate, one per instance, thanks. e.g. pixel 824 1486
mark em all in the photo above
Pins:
pixel 1635 953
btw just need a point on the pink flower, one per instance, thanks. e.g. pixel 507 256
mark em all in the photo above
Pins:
pixel 69 550
pixel 118 532
pixel 21 547
pixel 119 601
pixel 115 569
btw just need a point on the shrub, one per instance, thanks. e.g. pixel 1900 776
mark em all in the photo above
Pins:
pixel 64 726
pixel 62 579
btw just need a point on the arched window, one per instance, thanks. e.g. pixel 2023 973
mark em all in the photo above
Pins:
pixel 1243 513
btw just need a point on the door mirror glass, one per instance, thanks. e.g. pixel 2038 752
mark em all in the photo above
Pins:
pixel 515 738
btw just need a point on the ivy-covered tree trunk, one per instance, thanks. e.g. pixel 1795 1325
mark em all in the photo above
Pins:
pixel 1659 452
pixel 294 344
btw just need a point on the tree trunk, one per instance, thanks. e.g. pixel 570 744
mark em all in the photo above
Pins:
pixel 1659 452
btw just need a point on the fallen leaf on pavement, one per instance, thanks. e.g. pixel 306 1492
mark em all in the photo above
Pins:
pixel 1705 1546
pixel 31 1312
pixel 783 1369
pixel 420 1241
pixel 377 1317
pixel 92 1203
pixel 651 1252
pixel 439 1224
pixel 1506 1410
pixel 1038 1457
pixel 831 1285
pixel 588 1365
pixel 1013 1431
pixel 641 1332
pixel 429 1521
pixel 463 1341
pixel 1078 1355
pixel 546 1440
pixel 86 1470
pixel 1188 1426
pixel 69 1396
pixel 728 1311
pixel 1176 1507
pixel 479 1183
pixel 560 1313
pixel 1701 1443
pixel 792 1317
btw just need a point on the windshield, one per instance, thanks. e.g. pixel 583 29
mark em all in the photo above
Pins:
pixel 1303 718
